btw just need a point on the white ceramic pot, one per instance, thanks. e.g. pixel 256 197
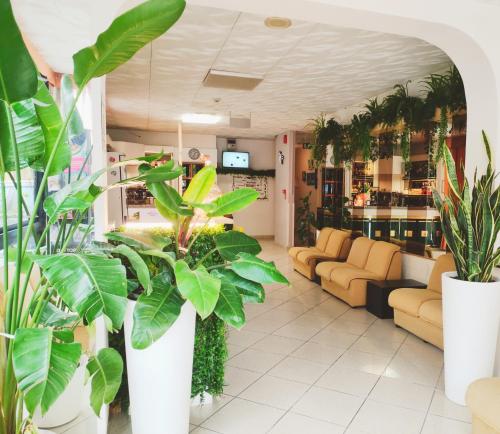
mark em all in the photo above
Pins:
pixel 69 405
pixel 471 318
pixel 159 377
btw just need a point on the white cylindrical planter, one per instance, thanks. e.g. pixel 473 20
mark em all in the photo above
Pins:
pixel 471 318
pixel 159 377
pixel 69 405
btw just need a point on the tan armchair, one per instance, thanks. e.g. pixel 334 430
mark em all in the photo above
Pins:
pixel 483 399
pixel 336 248
pixel 368 260
pixel 420 311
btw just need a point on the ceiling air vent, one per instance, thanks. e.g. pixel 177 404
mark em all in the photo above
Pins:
pixel 231 80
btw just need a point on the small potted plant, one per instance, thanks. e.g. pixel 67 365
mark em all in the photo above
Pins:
pixel 470 219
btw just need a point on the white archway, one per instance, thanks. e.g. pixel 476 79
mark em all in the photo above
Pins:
pixel 467 33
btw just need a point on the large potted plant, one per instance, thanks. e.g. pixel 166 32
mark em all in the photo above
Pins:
pixel 170 284
pixel 38 351
pixel 470 219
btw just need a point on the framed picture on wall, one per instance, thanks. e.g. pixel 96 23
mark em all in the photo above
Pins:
pixel 310 164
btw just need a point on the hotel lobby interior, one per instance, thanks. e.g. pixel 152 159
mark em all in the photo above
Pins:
pixel 249 217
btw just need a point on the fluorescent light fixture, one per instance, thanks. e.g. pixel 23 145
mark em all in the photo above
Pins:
pixel 200 118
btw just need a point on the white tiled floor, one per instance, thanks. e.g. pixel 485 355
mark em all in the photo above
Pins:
pixel 307 363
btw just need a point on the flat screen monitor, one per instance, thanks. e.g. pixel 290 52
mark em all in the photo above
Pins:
pixel 239 160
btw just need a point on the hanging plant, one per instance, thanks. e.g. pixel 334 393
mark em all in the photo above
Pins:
pixel 360 137
pixel 320 141
pixel 446 93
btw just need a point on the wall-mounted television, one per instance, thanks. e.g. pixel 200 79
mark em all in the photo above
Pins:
pixel 239 160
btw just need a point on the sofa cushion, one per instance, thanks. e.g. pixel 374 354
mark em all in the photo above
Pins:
pixel 294 251
pixel 483 399
pixel 323 237
pixel 325 269
pixel 359 251
pixel 335 242
pixel 309 255
pixel 409 300
pixel 443 264
pixel 380 257
pixel 432 311
pixel 343 276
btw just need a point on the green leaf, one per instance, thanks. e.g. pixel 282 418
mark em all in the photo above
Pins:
pixel 106 371
pixel 90 285
pixel 257 270
pixel 197 286
pixel 138 264
pixel 43 368
pixel 230 202
pixel 126 35
pixel 251 292
pixel 168 198
pixel 18 74
pixel 77 196
pixel 52 316
pixel 51 124
pixel 65 335
pixel 229 307
pixel 127 239
pixel 154 314
pixel 76 131
pixel 157 174
pixel 200 185
pixel 230 243
pixel 28 134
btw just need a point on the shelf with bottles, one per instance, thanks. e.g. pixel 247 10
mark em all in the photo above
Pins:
pixel 332 187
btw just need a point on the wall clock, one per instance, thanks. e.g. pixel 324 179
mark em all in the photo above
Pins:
pixel 194 153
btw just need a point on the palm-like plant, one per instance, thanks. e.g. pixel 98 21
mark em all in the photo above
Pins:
pixel 471 220
pixel 38 355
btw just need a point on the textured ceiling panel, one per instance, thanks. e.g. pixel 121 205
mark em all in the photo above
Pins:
pixel 307 69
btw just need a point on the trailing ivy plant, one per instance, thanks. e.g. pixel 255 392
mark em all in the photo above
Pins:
pixel 38 354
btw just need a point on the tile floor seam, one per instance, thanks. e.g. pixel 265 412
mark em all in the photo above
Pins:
pixel 371 390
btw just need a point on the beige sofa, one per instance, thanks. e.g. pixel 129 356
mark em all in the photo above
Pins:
pixel 367 260
pixel 483 399
pixel 420 311
pixel 332 244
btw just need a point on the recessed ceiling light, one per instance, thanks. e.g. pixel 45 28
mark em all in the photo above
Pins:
pixel 200 118
pixel 278 22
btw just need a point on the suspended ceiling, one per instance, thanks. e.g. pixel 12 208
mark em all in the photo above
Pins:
pixel 307 69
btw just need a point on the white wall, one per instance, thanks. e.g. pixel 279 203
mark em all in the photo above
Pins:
pixel 283 206
pixel 258 219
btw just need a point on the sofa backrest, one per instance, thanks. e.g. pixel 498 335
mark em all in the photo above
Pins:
pixel 444 263
pixel 323 237
pixel 335 242
pixel 380 257
pixel 359 251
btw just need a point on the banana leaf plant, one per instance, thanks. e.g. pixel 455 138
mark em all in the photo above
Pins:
pixel 470 219
pixel 164 273
pixel 38 353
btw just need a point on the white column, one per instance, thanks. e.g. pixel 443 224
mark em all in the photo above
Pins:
pixel 179 154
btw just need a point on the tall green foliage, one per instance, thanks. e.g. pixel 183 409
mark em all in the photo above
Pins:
pixel 471 220
pixel 37 354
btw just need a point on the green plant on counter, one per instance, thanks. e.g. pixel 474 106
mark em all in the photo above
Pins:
pixel 305 221
pixel 38 354
pixel 470 220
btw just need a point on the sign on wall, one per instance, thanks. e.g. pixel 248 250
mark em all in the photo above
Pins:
pixel 259 183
